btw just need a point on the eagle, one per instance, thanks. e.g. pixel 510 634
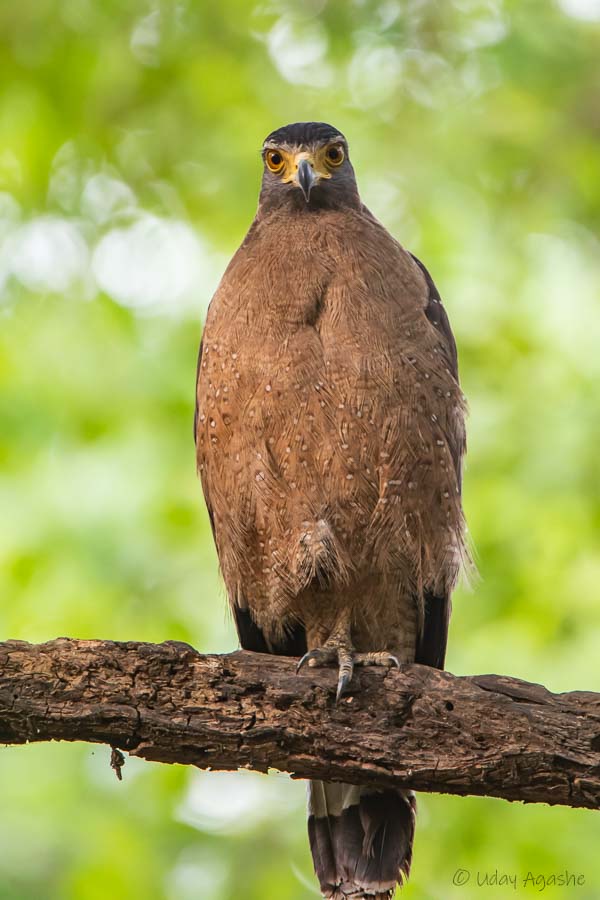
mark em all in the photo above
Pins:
pixel 330 436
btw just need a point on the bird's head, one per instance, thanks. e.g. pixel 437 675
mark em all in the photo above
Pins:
pixel 306 166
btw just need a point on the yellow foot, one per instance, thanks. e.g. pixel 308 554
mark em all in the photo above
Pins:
pixel 346 658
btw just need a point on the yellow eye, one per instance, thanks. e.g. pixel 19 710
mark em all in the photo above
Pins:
pixel 274 160
pixel 335 155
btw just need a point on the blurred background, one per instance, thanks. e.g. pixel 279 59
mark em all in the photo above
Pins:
pixel 129 171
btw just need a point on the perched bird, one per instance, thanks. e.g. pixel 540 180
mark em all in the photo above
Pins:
pixel 330 437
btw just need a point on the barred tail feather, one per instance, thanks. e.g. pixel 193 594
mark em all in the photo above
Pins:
pixel 360 839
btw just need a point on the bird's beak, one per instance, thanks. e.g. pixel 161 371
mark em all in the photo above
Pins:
pixel 306 176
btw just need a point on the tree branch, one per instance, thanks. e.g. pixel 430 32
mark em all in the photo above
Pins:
pixel 421 728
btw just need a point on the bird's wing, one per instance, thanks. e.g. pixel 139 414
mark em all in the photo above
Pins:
pixel 436 314
pixel 198 361
pixel 431 648
pixel 293 642
pixel 205 487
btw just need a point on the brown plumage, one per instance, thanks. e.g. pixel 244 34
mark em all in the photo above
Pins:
pixel 330 436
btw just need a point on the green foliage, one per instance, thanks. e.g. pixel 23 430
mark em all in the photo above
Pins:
pixel 129 169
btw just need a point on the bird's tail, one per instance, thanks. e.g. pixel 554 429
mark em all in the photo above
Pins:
pixel 360 839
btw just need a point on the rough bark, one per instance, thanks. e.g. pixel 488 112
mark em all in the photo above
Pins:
pixel 421 728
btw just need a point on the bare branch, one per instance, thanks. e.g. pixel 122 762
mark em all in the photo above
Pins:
pixel 421 728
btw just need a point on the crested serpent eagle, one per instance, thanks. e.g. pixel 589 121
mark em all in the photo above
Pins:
pixel 330 438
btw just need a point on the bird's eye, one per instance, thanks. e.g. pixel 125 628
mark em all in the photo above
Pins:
pixel 274 160
pixel 334 155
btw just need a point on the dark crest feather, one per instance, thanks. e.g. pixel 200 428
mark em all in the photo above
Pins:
pixel 304 133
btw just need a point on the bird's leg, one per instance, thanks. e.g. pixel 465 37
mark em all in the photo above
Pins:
pixel 338 648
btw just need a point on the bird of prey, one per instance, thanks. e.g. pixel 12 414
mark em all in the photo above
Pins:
pixel 330 437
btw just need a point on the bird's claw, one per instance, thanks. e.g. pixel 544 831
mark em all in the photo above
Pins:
pixel 379 658
pixel 320 656
pixel 344 678
pixel 346 660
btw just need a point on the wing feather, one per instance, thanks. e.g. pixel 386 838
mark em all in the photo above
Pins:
pixel 431 649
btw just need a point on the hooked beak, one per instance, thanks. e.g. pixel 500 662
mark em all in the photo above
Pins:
pixel 306 177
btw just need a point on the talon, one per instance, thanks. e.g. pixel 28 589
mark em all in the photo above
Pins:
pixel 304 660
pixel 377 658
pixel 317 656
pixel 345 672
pixel 343 682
